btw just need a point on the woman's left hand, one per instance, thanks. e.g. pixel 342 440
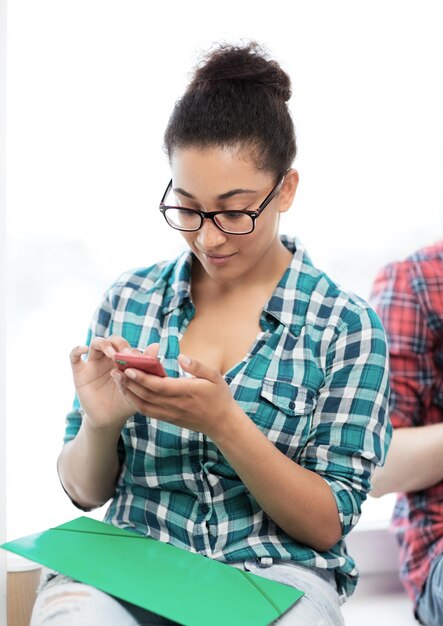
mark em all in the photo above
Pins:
pixel 203 403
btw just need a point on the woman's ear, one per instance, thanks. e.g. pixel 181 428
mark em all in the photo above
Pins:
pixel 287 191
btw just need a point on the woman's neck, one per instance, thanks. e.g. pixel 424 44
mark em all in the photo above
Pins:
pixel 264 276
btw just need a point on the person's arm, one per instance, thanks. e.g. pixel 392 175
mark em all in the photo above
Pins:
pixel 318 500
pixel 415 459
pixel 89 464
pixel 315 501
pixel 90 461
pixel 298 500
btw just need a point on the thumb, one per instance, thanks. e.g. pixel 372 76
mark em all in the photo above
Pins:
pixel 199 370
pixel 152 349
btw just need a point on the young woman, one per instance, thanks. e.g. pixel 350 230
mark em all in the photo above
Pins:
pixel 258 447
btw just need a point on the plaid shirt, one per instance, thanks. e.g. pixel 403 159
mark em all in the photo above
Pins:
pixel 315 382
pixel 409 299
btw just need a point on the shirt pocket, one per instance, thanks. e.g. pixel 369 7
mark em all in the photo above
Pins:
pixel 285 414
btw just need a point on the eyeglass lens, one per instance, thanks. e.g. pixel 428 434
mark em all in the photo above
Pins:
pixel 186 219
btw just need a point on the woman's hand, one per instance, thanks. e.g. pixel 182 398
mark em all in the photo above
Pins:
pixel 99 396
pixel 203 403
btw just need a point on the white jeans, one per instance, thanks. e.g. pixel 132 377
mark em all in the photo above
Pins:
pixel 63 602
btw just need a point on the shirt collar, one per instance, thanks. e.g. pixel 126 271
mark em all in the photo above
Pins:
pixel 176 282
pixel 290 300
pixel 288 304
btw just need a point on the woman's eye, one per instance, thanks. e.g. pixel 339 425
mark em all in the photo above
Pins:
pixel 233 215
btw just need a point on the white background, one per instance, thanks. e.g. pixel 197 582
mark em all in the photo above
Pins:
pixel 91 85
pixel 2 308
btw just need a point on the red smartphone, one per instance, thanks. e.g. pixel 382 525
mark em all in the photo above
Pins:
pixel 148 364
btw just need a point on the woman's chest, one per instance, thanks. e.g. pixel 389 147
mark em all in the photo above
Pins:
pixel 221 338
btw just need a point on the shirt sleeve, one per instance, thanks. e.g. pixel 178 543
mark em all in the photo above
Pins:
pixel 410 339
pixel 99 327
pixel 115 305
pixel 351 431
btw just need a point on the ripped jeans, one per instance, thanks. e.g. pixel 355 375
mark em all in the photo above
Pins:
pixel 64 602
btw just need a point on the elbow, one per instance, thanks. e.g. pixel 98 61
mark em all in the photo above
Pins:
pixel 326 541
pixel 326 545
pixel 379 483
pixel 82 500
pixel 329 539
pixel 377 492
pixel 87 498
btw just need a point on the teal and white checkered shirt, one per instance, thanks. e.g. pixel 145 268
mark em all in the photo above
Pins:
pixel 315 382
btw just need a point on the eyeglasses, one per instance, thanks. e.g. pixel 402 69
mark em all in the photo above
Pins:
pixel 230 222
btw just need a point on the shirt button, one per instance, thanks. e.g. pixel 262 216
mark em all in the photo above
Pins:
pixel 196 468
pixel 292 404
pixel 204 509
pixel 228 380
pixel 261 342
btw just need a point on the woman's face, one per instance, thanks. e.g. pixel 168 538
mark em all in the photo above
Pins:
pixel 225 179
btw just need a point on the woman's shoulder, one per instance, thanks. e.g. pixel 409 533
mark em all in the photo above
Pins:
pixel 154 277
pixel 347 310
pixel 142 278
pixel 326 302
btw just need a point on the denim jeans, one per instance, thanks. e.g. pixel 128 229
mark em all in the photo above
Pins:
pixel 430 605
pixel 64 602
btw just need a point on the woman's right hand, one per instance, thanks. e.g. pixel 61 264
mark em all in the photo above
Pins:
pixel 99 396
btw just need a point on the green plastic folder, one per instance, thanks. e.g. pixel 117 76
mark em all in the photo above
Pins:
pixel 188 588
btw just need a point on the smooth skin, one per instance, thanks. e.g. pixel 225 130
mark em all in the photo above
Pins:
pixel 242 278
pixel 414 461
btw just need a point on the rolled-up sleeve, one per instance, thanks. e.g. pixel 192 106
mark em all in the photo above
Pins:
pixel 351 431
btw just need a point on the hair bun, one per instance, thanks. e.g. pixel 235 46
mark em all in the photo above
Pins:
pixel 237 97
pixel 241 66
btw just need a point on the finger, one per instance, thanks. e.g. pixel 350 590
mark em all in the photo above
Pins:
pixel 198 369
pixel 140 392
pixel 161 386
pixel 100 347
pixel 128 396
pixel 120 344
pixel 152 349
pixel 145 407
pixel 75 356
pixel 107 346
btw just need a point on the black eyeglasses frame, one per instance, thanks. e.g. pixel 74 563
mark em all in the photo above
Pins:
pixel 212 214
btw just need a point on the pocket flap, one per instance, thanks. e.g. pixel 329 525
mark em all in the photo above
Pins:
pixel 290 398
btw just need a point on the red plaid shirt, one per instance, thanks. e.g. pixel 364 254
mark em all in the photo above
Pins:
pixel 408 297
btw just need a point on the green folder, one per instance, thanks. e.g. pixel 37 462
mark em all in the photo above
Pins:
pixel 188 588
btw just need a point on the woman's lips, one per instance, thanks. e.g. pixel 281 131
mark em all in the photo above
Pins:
pixel 217 259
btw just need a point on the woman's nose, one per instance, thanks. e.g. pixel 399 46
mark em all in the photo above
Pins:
pixel 209 236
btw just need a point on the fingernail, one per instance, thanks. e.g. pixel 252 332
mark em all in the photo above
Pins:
pixel 184 359
pixel 131 374
pixel 110 351
pixel 116 376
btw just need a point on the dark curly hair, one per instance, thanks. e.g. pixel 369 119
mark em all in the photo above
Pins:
pixel 237 97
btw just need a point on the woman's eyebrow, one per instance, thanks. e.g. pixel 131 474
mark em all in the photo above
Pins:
pixel 222 196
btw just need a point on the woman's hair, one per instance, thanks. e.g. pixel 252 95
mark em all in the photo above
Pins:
pixel 237 97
